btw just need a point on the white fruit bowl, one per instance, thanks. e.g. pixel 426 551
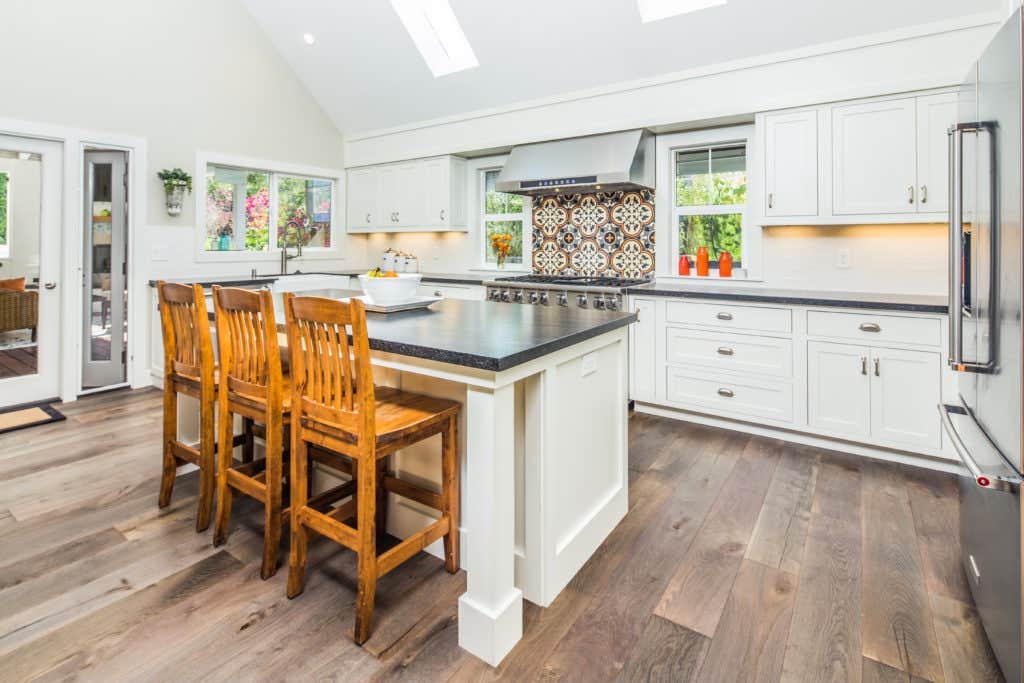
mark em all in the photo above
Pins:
pixel 385 291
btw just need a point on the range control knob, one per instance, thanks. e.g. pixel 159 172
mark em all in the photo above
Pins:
pixel 599 302
pixel 544 298
pixel 494 295
pixel 563 299
pixel 613 303
pixel 506 296
pixel 581 300
pixel 519 296
pixel 534 297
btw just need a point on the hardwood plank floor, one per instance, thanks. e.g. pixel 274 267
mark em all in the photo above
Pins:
pixel 763 560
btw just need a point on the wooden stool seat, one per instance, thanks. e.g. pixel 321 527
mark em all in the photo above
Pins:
pixel 337 409
pixel 399 414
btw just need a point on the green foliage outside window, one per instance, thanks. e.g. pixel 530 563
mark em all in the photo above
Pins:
pixel 3 208
pixel 711 178
pixel 498 209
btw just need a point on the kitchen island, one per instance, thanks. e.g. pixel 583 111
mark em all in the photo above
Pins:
pixel 543 443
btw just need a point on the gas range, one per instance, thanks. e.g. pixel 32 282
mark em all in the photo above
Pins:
pixel 583 291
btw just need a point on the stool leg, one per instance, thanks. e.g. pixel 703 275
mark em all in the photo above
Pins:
pixel 225 451
pixel 272 505
pixel 450 492
pixel 170 463
pixel 366 471
pixel 299 537
pixel 207 462
pixel 382 497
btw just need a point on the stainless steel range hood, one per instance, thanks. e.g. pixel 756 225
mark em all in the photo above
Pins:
pixel 595 163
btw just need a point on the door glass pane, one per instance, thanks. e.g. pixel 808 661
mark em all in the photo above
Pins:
pixel 20 205
pixel 100 245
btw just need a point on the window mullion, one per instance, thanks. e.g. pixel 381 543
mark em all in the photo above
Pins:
pixel 272 219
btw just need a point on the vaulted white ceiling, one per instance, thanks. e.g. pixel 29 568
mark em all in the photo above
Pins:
pixel 367 74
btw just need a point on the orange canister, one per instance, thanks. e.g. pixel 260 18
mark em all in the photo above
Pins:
pixel 725 264
pixel 702 261
pixel 684 265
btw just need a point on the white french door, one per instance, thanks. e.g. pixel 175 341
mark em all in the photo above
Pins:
pixel 30 248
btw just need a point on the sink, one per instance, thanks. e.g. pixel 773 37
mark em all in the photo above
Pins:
pixel 305 282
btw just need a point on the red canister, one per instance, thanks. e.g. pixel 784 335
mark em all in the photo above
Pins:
pixel 725 264
pixel 702 261
pixel 684 265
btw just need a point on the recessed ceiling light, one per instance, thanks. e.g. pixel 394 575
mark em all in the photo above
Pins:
pixel 653 10
pixel 437 34
pixel 309 38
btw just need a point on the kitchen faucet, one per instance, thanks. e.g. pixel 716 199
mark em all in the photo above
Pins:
pixel 300 232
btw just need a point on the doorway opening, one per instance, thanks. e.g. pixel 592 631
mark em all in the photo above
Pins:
pixel 104 271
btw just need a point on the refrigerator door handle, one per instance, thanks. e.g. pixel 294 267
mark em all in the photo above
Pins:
pixel 956 234
pixel 993 472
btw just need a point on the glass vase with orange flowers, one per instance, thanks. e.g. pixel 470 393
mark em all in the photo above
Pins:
pixel 501 244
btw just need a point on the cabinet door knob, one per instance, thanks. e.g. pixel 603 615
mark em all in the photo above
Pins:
pixel 924 194
pixel 727 393
pixel 863 365
pixel 724 351
pixel 877 368
pixel 724 316
pixel 441 215
pixel 910 193
pixel 367 218
pixel 870 327
pixel 771 200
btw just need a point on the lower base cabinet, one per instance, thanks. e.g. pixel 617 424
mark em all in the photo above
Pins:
pixel 870 378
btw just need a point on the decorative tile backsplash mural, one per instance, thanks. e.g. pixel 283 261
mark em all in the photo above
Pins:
pixel 607 233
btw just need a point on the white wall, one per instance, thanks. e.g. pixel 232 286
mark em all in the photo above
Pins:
pixel 185 76
pixel 25 177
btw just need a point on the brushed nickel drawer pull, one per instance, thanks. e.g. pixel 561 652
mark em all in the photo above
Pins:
pixel 863 365
pixel 727 393
pixel 870 327
pixel 724 316
pixel 725 351
pixel 878 373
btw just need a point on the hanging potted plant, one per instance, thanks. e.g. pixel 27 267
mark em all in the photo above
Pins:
pixel 176 181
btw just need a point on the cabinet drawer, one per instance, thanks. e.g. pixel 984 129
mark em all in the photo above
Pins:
pixel 868 327
pixel 451 291
pixel 734 352
pixel 727 316
pixel 729 395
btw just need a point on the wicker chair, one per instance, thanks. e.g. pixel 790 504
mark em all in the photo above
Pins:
pixel 19 311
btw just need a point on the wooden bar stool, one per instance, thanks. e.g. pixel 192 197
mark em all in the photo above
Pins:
pixel 335 406
pixel 251 385
pixel 189 369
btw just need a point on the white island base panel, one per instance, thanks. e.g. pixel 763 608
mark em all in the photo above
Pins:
pixel 544 458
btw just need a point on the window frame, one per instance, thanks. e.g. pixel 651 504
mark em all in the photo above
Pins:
pixel 667 218
pixel 526 216
pixel 5 248
pixel 710 209
pixel 274 170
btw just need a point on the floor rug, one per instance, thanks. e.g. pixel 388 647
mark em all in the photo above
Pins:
pixel 21 417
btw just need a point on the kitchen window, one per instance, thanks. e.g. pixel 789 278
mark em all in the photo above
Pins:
pixel 710 197
pixel 258 211
pixel 5 245
pixel 502 214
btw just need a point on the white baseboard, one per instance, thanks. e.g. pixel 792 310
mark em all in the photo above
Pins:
pixel 904 457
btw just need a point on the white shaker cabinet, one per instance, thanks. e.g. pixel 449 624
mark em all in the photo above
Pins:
pixel 935 114
pixel 422 195
pixel 838 389
pixel 874 157
pixel 791 164
pixel 905 390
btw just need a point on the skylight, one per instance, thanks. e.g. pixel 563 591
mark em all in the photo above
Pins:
pixel 653 10
pixel 437 34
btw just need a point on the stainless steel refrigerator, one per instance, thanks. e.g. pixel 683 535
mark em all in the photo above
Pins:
pixel 986 198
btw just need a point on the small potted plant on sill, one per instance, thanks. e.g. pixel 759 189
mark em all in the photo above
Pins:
pixel 224 239
pixel 176 181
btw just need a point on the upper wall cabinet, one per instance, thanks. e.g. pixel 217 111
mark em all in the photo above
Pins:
pixel 422 195
pixel 882 160
pixel 791 164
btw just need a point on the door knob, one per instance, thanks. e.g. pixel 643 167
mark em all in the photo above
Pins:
pixel 50 285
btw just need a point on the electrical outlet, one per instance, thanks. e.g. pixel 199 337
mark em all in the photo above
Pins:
pixel 842 258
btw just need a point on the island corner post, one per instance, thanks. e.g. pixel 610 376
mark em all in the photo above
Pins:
pixel 538 498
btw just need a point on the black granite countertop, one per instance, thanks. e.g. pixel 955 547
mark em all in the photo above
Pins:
pixel 477 334
pixel 914 303
pixel 259 280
